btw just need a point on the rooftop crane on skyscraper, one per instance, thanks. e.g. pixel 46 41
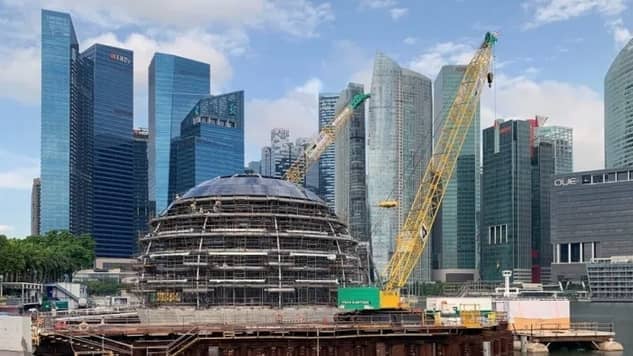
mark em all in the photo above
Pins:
pixel 413 236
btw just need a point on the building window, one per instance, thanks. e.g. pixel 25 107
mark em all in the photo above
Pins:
pixel 563 252
pixel 623 176
pixel 609 177
pixel 597 178
pixel 575 252
pixel 586 179
pixel 497 234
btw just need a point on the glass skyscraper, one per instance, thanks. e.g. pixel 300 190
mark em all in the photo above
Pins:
pixel 562 140
pixel 66 108
pixel 175 86
pixel 142 208
pixel 327 186
pixel 112 158
pixel 351 186
pixel 87 104
pixel 455 228
pixel 618 111
pixel 211 142
pixel 399 144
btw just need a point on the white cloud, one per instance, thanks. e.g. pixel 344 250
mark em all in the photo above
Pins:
pixel 378 4
pixel 430 62
pixel 207 30
pixel 410 40
pixel 397 12
pixel 20 74
pixel 297 110
pixel 5 229
pixel 17 171
pixel 566 104
pixel 621 34
pixel 548 11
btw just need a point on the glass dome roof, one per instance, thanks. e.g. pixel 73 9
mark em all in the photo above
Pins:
pixel 251 184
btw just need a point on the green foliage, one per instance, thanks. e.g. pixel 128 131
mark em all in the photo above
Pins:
pixel 45 258
pixel 103 287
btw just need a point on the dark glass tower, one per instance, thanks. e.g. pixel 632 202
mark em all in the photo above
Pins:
pixel 211 143
pixel 112 221
pixel 142 208
pixel 86 142
pixel 327 187
pixel 506 201
pixel 175 86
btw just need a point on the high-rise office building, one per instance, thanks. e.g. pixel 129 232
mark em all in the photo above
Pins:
pixel 35 206
pixel 266 167
pixel 506 201
pixel 399 144
pixel 351 187
pixel 254 167
pixel 175 86
pixel 86 138
pixel 454 236
pixel 66 126
pixel 112 153
pixel 618 113
pixel 281 151
pixel 327 185
pixel 210 144
pixel 562 141
pixel 142 207
pixel 515 207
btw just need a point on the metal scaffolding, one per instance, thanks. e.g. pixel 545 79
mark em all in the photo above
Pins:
pixel 259 250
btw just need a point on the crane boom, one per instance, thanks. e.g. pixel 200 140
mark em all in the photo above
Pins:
pixel 326 137
pixel 413 236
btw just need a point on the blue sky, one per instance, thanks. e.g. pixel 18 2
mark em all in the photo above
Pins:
pixel 551 60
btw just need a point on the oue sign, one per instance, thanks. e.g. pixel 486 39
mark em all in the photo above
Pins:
pixel 564 181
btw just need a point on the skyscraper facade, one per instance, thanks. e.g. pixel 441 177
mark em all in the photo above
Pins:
pixel 618 112
pixel 66 124
pixel 327 185
pixel 399 144
pixel 35 206
pixel 351 188
pixel 506 201
pixel 112 154
pixel 562 141
pixel 455 232
pixel 86 138
pixel 175 86
pixel 142 207
pixel 254 166
pixel 281 151
pixel 211 142
pixel 266 167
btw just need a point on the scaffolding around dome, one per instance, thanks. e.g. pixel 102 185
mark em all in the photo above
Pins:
pixel 248 240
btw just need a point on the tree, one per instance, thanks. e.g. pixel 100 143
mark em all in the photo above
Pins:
pixel 45 258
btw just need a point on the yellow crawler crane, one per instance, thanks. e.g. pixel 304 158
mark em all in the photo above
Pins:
pixel 297 171
pixel 413 236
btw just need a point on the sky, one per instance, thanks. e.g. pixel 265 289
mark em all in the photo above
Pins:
pixel 550 60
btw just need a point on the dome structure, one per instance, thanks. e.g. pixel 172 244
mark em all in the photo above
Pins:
pixel 248 240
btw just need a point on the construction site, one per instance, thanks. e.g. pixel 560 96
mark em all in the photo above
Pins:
pixel 248 241
pixel 251 265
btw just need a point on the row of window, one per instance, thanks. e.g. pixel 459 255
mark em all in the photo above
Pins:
pixel 497 234
pixel 607 177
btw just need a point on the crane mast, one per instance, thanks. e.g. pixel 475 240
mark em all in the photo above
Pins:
pixel 413 236
pixel 327 136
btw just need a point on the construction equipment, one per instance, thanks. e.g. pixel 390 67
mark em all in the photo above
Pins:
pixel 297 171
pixel 413 236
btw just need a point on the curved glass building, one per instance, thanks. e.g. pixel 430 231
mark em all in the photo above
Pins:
pixel 399 144
pixel 618 110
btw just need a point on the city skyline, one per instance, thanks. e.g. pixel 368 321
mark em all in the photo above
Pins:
pixel 556 94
